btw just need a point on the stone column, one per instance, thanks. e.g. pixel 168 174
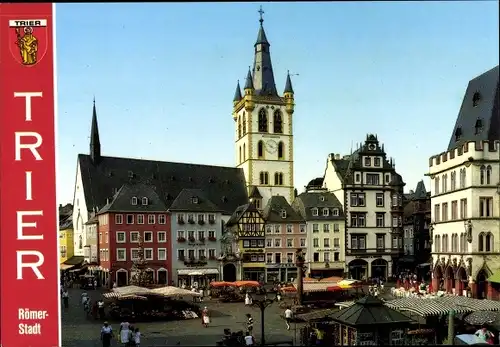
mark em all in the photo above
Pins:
pixel 459 287
pixel 473 289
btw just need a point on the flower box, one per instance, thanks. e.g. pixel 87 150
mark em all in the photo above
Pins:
pixel 212 238
pixel 191 239
pixel 181 239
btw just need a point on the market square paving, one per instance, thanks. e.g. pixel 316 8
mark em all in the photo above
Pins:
pixel 78 330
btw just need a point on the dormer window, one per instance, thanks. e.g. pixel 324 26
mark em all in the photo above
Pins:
pixel 321 198
pixel 144 201
pixel 283 214
pixel 134 201
pixel 458 134
pixel 479 126
pixel 194 200
pixel 475 99
pixel 315 211
pixel 368 161
pixel 335 211
pixel 326 212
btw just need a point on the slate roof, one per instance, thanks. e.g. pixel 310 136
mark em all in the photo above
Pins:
pixel 288 84
pixel 224 186
pixel 237 93
pixel 65 222
pixel 479 115
pixel 122 200
pixel 263 74
pixel 420 191
pixel 193 200
pixel 275 205
pixel 255 193
pixel 369 311
pixel 315 183
pixel 305 202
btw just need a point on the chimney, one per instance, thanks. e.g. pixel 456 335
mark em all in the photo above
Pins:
pixel 337 156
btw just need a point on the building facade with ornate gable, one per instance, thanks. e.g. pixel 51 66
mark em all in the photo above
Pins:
pixel 196 225
pixel 247 225
pixel 285 232
pixel 324 233
pixel 135 219
pixel 371 193
pixel 465 205
pixel 264 128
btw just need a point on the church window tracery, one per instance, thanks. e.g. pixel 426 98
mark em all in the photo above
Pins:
pixel 278 122
pixel 263 126
pixel 244 124
pixel 281 150
pixel 260 149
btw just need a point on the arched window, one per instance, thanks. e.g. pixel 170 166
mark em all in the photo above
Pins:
pixel 436 185
pixel 488 242
pixel 244 152
pixel 263 126
pixel 480 242
pixel 260 149
pixel 281 150
pixel 462 239
pixel 240 155
pixel 264 178
pixel 278 122
pixel 278 179
pixel 483 174
pixel 444 245
pixel 239 127
pixel 464 178
pixel 445 183
pixel 453 180
pixel 437 243
pixel 244 121
pixel 488 174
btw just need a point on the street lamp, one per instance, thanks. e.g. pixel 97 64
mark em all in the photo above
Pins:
pixel 262 300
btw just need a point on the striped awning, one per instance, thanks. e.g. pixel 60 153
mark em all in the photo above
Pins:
pixel 437 306
pixel 315 286
pixel 124 297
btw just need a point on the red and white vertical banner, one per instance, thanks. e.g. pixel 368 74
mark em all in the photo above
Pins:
pixel 29 259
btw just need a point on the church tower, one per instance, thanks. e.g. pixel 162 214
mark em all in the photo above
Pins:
pixel 264 133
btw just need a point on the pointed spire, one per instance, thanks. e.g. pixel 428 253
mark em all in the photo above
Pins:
pixel 237 93
pixel 263 77
pixel 249 80
pixel 288 84
pixel 95 143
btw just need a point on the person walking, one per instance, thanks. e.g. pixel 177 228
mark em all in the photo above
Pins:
pixel 106 335
pixel 249 323
pixel 137 337
pixel 125 333
pixel 65 297
pixel 100 307
pixel 205 317
pixel 249 340
pixel 288 317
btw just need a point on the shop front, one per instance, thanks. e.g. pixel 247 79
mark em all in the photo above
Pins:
pixel 327 269
pixel 197 277
pixel 281 272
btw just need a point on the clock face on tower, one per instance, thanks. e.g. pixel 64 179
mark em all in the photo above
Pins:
pixel 271 146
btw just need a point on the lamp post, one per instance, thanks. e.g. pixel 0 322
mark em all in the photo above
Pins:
pixel 262 301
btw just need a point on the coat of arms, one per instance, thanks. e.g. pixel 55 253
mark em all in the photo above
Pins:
pixel 29 40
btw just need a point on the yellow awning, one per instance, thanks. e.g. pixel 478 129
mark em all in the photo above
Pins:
pixel 65 266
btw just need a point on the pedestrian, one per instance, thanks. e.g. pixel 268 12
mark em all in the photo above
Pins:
pixel 106 335
pixel 95 283
pixel 137 337
pixel 249 340
pixel 85 297
pixel 288 317
pixel 249 323
pixel 205 317
pixel 248 300
pixel 125 333
pixel 65 297
pixel 100 307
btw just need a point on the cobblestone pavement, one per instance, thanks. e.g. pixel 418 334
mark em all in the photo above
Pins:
pixel 80 331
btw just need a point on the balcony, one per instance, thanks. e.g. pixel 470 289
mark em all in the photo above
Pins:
pixel 181 239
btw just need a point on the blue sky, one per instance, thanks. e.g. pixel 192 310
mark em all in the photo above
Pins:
pixel 164 74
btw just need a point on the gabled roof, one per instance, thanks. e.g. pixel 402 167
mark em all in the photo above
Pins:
pixel 65 222
pixel 273 211
pixel 479 115
pixel 305 202
pixel 369 311
pixel 255 193
pixel 122 200
pixel 193 200
pixel 223 186
pixel 240 211
pixel 420 192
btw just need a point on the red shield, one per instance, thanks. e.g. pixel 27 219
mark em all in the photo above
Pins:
pixel 28 40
